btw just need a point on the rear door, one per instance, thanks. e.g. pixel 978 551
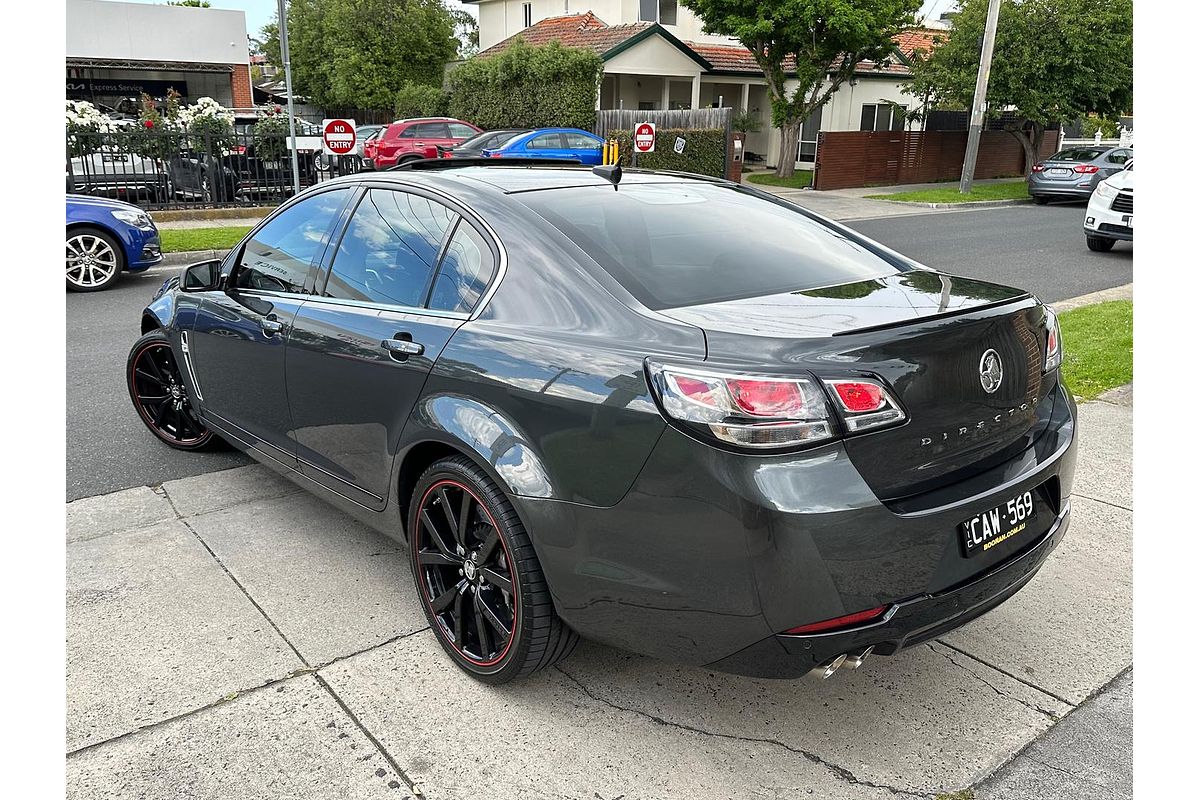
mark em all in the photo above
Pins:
pixel 546 145
pixel 406 274
pixel 237 340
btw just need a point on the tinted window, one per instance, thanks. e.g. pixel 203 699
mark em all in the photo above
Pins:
pixel 284 251
pixel 390 248
pixel 676 245
pixel 547 141
pixel 432 130
pixel 460 131
pixel 464 273
pixel 1077 154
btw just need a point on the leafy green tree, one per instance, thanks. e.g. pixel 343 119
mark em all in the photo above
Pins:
pixel 466 30
pixel 419 100
pixel 528 87
pixel 1055 61
pixel 361 52
pixel 821 40
pixel 190 3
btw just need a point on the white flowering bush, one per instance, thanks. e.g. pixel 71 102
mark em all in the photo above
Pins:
pixel 208 125
pixel 84 118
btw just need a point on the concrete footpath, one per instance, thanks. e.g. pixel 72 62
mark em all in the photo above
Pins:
pixel 230 636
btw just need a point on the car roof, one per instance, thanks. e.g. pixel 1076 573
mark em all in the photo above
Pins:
pixel 509 179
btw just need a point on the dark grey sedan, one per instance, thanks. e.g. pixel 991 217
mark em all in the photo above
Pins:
pixel 669 413
pixel 1074 173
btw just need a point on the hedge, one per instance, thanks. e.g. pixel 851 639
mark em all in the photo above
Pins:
pixel 703 153
pixel 528 87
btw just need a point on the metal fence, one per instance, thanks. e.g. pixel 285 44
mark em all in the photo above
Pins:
pixel 174 170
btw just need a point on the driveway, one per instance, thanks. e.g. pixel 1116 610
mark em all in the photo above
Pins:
pixel 228 636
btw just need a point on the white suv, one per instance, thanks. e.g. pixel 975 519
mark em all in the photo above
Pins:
pixel 1109 217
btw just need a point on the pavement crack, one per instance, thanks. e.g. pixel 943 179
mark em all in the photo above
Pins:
pixel 1103 502
pixel 1051 715
pixel 838 770
pixel 1067 772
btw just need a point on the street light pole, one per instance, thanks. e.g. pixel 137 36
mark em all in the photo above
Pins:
pixel 979 106
pixel 287 81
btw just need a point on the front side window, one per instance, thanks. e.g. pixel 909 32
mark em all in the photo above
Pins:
pixel 464 273
pixel 577 141
pixel 685 244
pixel 284 252
pixel 461 131
pixel 390 248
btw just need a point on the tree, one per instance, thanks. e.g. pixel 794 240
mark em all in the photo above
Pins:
pixel 1054 61
pixel 819 41
pixel 419 100
pixel 190 3
pixel 360 53
pixel 466 30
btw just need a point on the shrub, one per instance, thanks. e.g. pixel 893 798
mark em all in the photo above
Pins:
pixel 156 134
pixel 1092 123
pixel 208 125
pixel 270 136
pixel 528 87
pixel 703 153
pixel 746 122
pixel 85 124
pixel 419 100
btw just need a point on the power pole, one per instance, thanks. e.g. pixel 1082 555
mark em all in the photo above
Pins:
pixel 287 81
pixel 979 106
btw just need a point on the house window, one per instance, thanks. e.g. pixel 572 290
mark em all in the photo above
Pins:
pixel 527 10
pixel 661 11
pixel 808 136
pixel 882 117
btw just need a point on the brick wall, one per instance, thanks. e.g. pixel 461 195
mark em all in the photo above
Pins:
pixel 243 97
pixel 850 159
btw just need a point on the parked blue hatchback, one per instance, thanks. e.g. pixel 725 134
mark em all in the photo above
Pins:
pixel 105 237
pixel 565 143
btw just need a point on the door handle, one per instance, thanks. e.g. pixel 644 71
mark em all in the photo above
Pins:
pixel 271 326
pixel 401 349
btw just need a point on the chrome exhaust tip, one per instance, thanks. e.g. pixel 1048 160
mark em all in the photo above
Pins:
pixel 823 671
pixel 854 661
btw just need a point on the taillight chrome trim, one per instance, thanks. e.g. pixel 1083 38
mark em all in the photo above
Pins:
pixel 891 413
pixel 1052 358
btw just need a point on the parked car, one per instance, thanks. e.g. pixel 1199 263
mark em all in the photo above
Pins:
pixel 105 237
pixel 474 147
pixel 1109 217
pixel 412 139
pixel 565 143
pixel 1074 173
pixel 114 172
pixel 686 418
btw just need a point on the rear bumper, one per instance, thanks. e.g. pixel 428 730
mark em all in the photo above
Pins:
pixel 1080 190
pixel 712 554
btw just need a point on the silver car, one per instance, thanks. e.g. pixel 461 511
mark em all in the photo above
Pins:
pixel 1073 174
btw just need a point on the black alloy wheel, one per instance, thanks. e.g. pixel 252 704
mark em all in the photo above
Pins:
pixel 480 583
pixel 158 392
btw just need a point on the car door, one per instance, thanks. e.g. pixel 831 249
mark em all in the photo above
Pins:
pixel 236 343
pixel 584 148
pixel 546 145
pixel 360 352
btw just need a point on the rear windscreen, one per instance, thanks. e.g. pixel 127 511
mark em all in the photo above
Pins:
pixel 1077 154
pixel 685 244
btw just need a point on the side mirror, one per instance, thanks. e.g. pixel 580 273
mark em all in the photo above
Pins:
pixel 201 277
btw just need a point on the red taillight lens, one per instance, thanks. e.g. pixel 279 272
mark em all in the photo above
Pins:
pixel 495 155
pixel 767 398
pixel 847 621
pixel 1086 169
pixel 859 397
pixel 1039 168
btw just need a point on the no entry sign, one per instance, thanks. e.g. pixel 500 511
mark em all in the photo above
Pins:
pixel 643 138
pixel 339 136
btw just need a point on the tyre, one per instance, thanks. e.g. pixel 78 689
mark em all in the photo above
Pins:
pixel 1099 245
pixel 158 391
pixel 94 260
pixel 1041 201
pixel 478 578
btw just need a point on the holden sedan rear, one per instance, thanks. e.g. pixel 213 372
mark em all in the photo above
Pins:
pixel 683 417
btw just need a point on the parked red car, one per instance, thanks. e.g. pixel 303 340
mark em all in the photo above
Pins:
pixel 410 139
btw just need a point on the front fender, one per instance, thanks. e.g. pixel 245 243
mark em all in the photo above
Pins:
pixel 497 442
pixel 160 313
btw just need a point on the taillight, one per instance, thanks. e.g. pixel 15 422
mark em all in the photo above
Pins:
pixel 756 411
pixel 847 621
pixel 495 154
pixel 1086 169
pixel 1053 342
pixel 865 403
pixel 1039 168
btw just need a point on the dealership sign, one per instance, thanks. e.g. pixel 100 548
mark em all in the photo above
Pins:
pixel 643 138
pixel 78 88
pixel 339 136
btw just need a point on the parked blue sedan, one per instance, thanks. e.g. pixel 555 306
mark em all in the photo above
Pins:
pixel 565 143
pixel 105 237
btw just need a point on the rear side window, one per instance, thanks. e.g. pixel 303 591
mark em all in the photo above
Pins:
pixel 1077 154
pixel 432 130
pixel 684 244
pixel 284 252
pixel 465 271
pixel 390 248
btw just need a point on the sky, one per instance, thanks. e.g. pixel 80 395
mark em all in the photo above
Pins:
pixel 260 12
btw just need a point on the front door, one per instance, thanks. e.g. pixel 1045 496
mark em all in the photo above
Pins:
pixel 237 340
pixel 406 275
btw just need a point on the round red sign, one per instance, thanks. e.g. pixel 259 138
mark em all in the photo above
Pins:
pixel 339 136
pixel 643 138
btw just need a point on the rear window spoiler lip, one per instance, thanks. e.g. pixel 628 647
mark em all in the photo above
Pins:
pixel 957 312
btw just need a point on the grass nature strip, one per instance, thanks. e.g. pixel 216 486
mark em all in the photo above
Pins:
pixel 1097 347
pixel 179 240
pixel 1009 190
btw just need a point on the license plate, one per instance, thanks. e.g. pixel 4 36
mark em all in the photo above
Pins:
pixel 984 531
pixel 1059 171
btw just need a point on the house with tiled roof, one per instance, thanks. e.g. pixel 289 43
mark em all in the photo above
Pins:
pixel 657 56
